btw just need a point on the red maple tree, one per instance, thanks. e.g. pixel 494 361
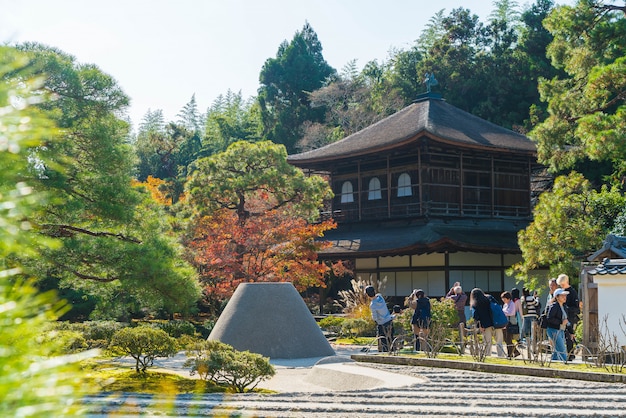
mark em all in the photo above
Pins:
pixel 271 246
pixel 254 218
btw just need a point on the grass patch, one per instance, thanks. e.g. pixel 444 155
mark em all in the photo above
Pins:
pixel 108 377
pixel 158 383
pixel 105 376
pixel 355 341
pixel 579 367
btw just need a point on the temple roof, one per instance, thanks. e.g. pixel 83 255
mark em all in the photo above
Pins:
pixel 612 256
pixel 433 116
pixel 421 237
pixel 610 267
pixel 613 247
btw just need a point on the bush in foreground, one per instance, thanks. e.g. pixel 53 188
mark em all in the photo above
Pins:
pixel 222 364
pixel 144 344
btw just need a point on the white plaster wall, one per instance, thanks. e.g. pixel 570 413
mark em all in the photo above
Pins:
pixel 475 259
pixel 612 303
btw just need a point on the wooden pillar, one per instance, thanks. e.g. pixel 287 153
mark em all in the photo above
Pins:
pixel 493 188
pixel 502 268
pixel 528 185
pixel 588 295
pixel 360 185
pixel 446 271
pixel 332 201
pixel 419 180
pixel 388 189
pixel 461 199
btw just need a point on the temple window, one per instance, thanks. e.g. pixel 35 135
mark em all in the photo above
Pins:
pixel 374 189
pixel 404 185
pixel 347 193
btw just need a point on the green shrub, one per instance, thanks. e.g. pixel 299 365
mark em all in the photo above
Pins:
pixel 578 331
pixel 144 344
pixel 332 324
pixel 198 354
pixel 449 349
pixel 102 330
pixel 222 364
pixel 67 341
pixel 403 321
pixel 443 316
pixel 96 334
pixel 71 341
pixel 205 328
pixel 358 327
pixel 443 312
pixel 99 344
pixel 240 369
pixel 66 326
pixel 177 328
pixel 186 342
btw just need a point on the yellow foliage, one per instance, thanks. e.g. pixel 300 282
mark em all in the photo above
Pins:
pixel 361 311
pixel 153 185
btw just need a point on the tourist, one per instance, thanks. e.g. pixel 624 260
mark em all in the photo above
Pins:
pixel 459 298
pixel 420 322
pixel 557 322
pixel 515 294
pixel 530 312
pixel 510 310
pixel 552 286
pixel 382 317
pixel 573 310
pixel 480 306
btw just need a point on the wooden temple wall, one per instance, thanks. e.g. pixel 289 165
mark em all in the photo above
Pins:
pixel 441 184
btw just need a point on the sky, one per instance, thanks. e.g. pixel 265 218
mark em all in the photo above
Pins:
pixel 161 52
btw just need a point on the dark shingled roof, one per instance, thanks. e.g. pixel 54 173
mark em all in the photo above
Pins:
pixel 432 116
pixel 613 247
pixel 420 237
pixel 611 267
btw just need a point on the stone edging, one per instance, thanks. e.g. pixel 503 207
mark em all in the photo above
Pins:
pixel 491 368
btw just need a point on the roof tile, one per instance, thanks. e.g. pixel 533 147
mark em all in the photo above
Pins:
pixel 434 116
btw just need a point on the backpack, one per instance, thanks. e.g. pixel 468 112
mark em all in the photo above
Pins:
pixel 497 315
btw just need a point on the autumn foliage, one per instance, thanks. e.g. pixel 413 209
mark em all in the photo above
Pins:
pixel 158 190
pixel 272 247
pixel 254 219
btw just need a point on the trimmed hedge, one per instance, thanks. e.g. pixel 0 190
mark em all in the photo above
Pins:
pixel 222 364
pixel 144 344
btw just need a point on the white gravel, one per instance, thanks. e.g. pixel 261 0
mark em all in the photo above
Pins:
pixel 336 388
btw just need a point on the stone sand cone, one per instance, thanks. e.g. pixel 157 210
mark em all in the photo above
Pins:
pixel 270 319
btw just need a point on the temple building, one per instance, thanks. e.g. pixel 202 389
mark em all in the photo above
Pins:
pixel 428 196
